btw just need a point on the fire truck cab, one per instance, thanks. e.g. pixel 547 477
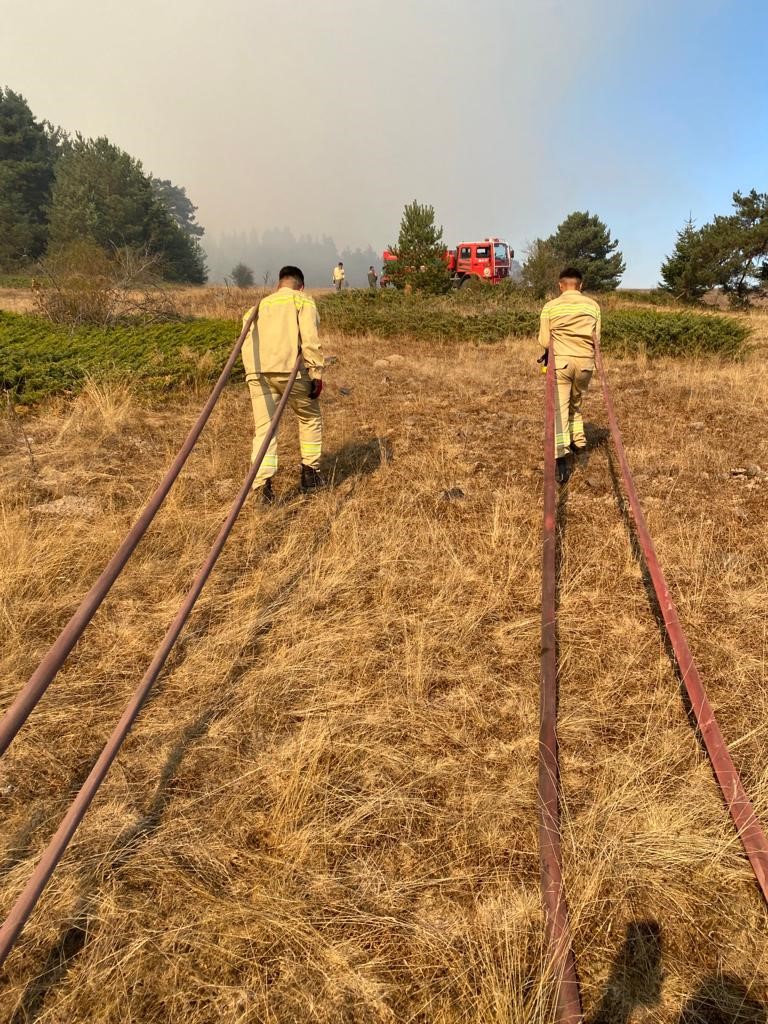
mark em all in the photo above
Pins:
pixel 489 260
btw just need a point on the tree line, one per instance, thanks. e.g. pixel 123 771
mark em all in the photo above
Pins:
pixel 58 191
pixel 729 253
pixel 258 256
pixel 582 240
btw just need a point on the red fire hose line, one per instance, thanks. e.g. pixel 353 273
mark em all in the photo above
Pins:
pixel 41 678
pixel 26 902
pixel 560 953
pixel 738 803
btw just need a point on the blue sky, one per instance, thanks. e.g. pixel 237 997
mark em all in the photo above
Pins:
pixel 327 117
pixel 680 108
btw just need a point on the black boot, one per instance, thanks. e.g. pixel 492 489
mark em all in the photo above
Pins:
pixel 311 479
pixel 267 494
pixel 563 469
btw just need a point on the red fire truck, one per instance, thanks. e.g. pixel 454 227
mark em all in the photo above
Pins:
pixel 489 260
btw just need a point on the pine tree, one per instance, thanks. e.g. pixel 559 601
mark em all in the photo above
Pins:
pixel 684 273
pixel 176 201
pixel 584 241
pixel 242 275
pixel 730 252
pixel 541 269
pixel 736 246
pixel 28 152
pixel 102 193
pixel 420 252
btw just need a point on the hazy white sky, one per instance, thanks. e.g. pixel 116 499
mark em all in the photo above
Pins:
pixel 326 116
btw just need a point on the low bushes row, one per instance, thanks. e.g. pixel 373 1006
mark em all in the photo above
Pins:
pixel 471 317
pixel 38 359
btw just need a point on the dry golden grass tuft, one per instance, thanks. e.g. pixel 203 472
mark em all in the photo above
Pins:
pixel 327 810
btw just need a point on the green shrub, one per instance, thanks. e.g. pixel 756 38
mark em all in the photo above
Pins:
pixel 392 315
pixel 493 314
pixel 38 359
pixel 628 331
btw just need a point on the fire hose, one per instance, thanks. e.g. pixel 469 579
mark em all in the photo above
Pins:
pixel 735 795
pixel 561 963
pixel 45 867
pixel 560 956
pixel 30 694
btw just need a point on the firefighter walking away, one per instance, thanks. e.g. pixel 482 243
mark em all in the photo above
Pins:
pixel 287 323
pixel 570 325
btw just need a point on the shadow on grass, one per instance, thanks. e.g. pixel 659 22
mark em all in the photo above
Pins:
pixel 723 1000
pixel 636 976
pixel 718 1000
pixel 636 979
pixel 352 463
pixel 356 459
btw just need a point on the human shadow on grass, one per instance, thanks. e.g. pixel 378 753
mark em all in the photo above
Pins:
pixel 723 1000
pixel 561 525
pixel 597 438
pixel 636 976
pixel 352 461
pixel 636 979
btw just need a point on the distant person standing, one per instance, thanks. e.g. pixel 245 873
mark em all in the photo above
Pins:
pixel 338 276
pixel 373 277
pixel 571 325
pixel 286 325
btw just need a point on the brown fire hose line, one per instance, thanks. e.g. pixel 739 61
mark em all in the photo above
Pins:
pixel 45 867
pixel 30 694
pixel 738 803
pixel 561 962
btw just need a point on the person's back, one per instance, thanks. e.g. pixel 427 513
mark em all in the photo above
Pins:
pixel 287 320
pixel 572 320
pixel 286 325
pixel 570 326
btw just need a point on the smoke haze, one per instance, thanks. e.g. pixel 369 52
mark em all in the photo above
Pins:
pixel 324 118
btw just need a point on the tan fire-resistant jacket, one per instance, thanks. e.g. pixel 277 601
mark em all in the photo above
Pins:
pixel 287 321
pixel 570 321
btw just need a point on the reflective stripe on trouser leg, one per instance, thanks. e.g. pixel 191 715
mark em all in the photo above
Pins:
pixel 563 381
pixel 581 378
pixel 264 399
pixel 310 424
pixel 266 391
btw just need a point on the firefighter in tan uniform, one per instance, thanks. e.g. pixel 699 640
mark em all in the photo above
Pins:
pixel 286 323
pixel 571 322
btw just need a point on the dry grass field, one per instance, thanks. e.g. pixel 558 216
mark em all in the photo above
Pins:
pixel 214 301
pixel 326 812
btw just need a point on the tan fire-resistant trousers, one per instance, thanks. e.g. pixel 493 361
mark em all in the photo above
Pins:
pixel 572 377
pixel 266 391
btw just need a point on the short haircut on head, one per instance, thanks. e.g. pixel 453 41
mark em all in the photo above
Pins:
pixel 294 273
pixel 571 274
